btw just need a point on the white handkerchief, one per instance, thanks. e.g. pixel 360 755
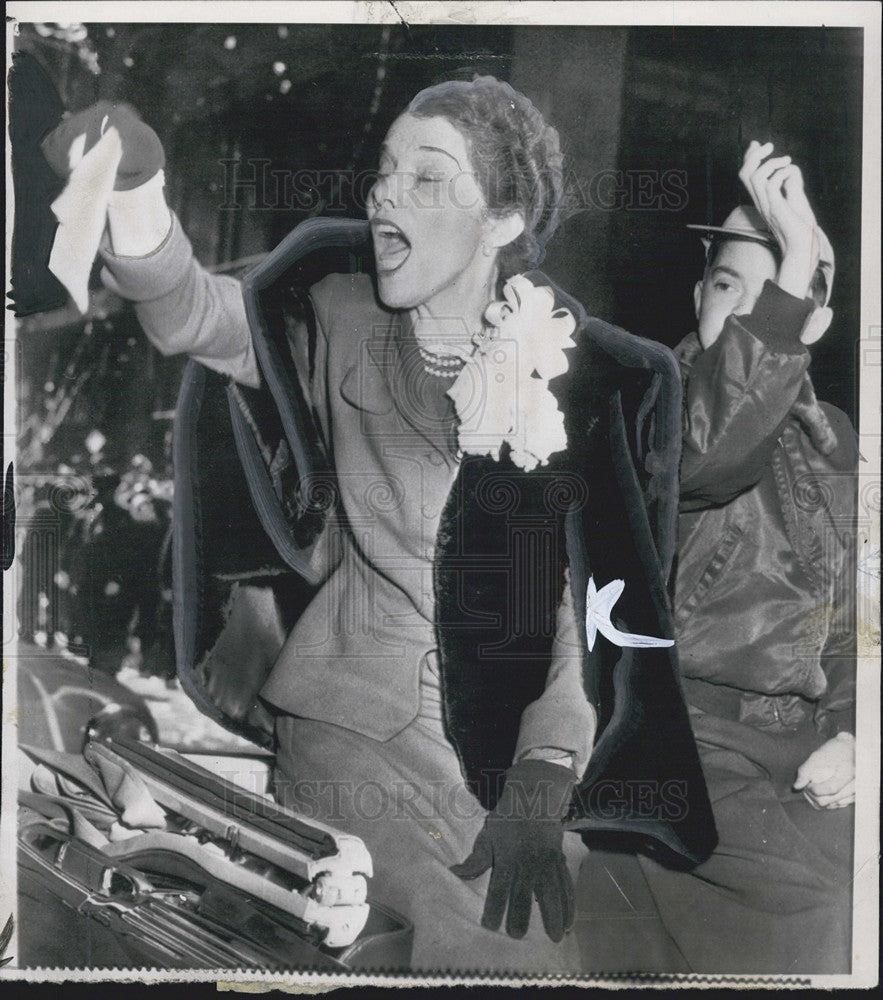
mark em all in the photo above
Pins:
pixel 81 210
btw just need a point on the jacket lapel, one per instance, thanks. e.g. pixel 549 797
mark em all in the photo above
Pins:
pixel 366 385
pixel 376 383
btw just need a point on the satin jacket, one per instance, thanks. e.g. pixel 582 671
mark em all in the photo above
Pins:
pixel 765 585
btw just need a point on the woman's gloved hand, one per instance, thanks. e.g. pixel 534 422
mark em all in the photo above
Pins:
pixel 522 843
pixel 143 155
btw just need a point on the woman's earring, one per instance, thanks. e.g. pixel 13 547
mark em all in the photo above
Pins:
pixel 486 250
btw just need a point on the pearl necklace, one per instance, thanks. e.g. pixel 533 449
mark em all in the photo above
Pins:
pixel 440 365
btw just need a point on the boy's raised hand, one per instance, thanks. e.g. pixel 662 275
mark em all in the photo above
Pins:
pixel 776 188
pixel 827 776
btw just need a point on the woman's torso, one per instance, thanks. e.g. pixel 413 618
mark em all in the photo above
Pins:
pixel 372 621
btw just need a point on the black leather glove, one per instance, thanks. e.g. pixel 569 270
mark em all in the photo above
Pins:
pixel 521 840
pixel 143 154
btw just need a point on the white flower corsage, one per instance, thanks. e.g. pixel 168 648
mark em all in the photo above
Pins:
pixel 502 393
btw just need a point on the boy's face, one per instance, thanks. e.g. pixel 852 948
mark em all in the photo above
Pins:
pixel 732 285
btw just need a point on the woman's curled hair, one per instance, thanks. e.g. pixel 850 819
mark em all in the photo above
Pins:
pixel 515 154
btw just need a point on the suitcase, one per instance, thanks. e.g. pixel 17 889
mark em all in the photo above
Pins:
pixel 232 881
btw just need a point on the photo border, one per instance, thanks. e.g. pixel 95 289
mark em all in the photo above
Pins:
pixel 865 15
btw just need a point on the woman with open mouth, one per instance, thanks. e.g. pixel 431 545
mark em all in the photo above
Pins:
pixel 440 696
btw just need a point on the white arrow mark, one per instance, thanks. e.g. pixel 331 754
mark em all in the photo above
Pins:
pixel 599 606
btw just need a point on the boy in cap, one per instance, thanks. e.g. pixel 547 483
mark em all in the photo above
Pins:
pixel 764 597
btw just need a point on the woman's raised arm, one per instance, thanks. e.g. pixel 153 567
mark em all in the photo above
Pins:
pixel 182 308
